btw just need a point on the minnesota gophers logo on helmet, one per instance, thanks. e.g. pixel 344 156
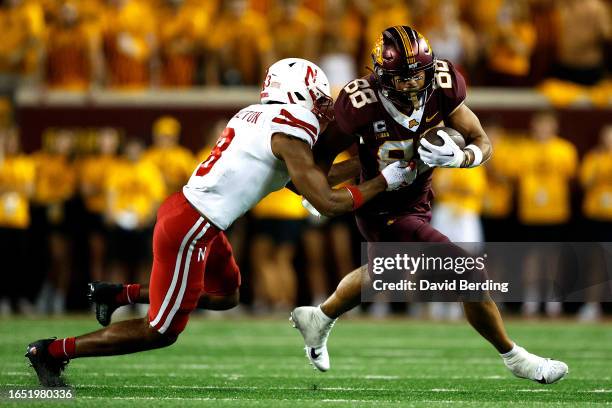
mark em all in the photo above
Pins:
pixel 377 50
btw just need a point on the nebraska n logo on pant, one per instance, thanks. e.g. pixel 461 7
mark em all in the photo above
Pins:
pixel 201 254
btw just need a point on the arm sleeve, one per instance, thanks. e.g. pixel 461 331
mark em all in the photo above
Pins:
pixel 297 122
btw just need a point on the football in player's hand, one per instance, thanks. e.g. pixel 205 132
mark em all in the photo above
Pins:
pixel 431 135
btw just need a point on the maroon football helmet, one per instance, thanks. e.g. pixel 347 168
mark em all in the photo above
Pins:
pixel 402 53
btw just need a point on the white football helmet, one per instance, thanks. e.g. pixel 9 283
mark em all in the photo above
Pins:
pixel 298 81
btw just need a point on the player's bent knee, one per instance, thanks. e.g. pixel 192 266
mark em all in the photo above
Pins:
pixel 166 333
pixel 167 339
pixel 157 339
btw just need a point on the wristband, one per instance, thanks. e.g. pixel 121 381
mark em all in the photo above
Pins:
pixel 356 196
pixel 477 155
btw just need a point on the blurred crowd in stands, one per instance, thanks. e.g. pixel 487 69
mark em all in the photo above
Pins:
pixel 83 208
pixel 561 45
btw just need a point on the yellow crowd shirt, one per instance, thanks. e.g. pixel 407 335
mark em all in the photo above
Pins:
pixel 68 57
pixel 596 179
pixel 181 34
pixel 16 185
pixel 545 170
pixel 55 180
pixel 20 25
pixel 461 189
pixel 128 35
pixel 501 170
pixel 503 57
pixel 134 191
pixel 175 164
pixel 94 172
pixel 297 37
pixel 244 41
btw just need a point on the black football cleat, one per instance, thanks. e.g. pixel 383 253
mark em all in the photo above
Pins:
pixel 103 294
pixel 48 368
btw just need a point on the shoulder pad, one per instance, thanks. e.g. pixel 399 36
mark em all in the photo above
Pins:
pixel 356 106
pixel 296 121
pixel 450 85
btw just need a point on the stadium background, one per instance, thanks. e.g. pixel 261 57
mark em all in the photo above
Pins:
pixel 152 83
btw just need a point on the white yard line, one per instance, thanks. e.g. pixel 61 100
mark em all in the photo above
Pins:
pixel 233 376
pixel 306 388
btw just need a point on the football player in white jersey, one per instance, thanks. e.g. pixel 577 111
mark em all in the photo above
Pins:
pixel 261 149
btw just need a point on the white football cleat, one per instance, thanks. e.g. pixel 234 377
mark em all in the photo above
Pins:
pixel 315 328
pixel 543 370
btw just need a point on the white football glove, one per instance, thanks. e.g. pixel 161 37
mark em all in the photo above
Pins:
pixel 399 174
pixel 310 208
pixel 447 155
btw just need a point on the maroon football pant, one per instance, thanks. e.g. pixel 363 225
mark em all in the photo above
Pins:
pixel 405 228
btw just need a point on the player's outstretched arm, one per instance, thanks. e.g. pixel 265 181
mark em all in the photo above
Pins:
pixel 478 147
pixel 328 146
pixel 338 173
pixel 344 170
pixel 312 183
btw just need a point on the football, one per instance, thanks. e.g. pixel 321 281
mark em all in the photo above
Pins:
pixel 431 135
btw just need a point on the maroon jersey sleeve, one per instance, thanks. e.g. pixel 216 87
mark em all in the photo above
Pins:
pixel 355 106
pixel 451 87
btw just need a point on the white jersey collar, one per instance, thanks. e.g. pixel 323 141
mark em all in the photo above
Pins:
pixel 401 118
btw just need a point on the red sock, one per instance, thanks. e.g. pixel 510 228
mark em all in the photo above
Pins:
pixel 62 348
pixel 129 294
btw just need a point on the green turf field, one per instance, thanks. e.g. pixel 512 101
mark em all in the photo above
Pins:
pixel 260 363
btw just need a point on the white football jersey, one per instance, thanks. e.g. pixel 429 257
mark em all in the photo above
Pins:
pixel 241 169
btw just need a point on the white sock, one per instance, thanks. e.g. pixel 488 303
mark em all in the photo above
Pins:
pixel 513 352
pixel 322 315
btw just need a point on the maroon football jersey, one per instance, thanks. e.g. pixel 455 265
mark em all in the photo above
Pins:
pixel 385 134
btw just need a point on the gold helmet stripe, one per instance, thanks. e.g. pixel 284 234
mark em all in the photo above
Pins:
pixel 402 34
pixel 407 39
pixel 407 43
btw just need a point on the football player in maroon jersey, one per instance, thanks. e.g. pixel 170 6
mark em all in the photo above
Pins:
pixel 408 92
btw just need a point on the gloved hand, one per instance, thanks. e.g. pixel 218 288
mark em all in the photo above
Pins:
pixel 399 174
pixel 447 155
